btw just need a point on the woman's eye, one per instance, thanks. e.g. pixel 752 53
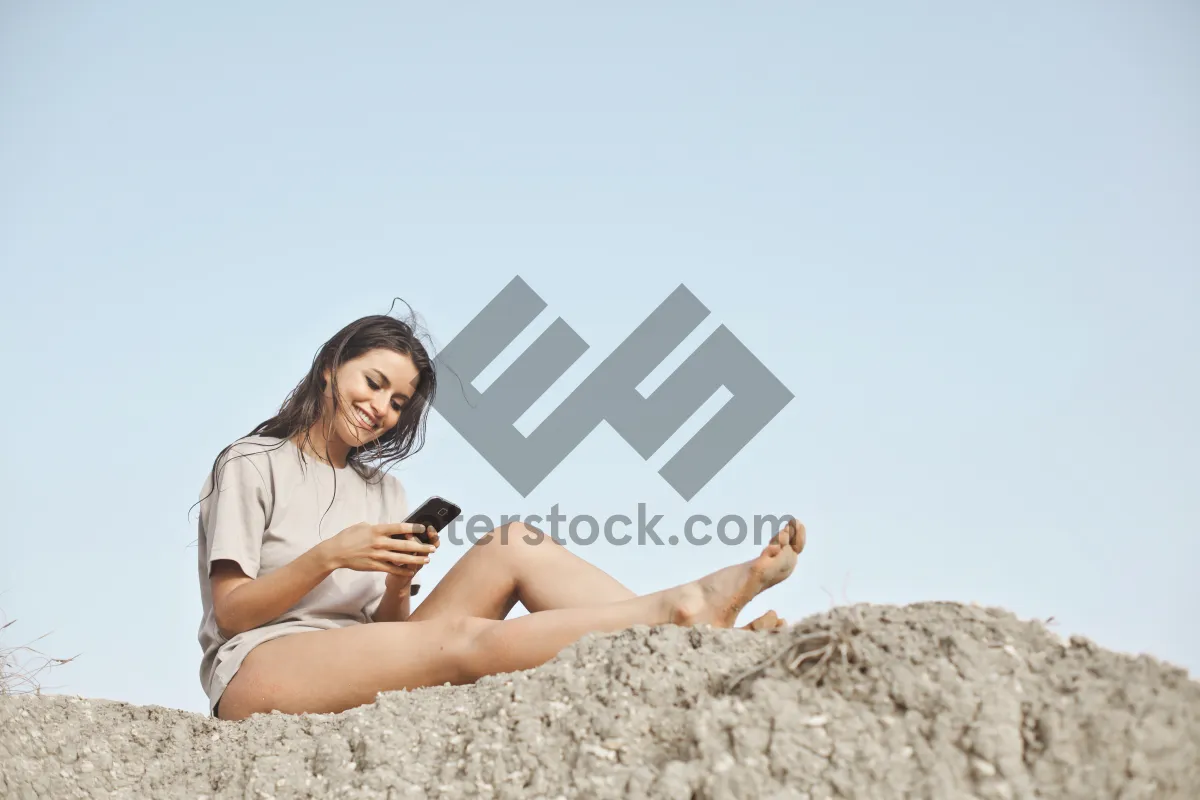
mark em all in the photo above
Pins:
pixel 374 386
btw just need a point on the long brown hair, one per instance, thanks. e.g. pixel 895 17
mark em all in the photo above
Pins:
pixel 302 408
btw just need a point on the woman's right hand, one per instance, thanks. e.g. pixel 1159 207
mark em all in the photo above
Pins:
pixel 370 548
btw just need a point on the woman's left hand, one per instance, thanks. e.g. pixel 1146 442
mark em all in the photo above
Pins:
pixel 403 579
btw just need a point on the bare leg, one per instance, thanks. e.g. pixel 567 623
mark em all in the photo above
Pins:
pixel 516 563
pixel 330 671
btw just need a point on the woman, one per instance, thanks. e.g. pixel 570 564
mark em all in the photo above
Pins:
pixel 306 571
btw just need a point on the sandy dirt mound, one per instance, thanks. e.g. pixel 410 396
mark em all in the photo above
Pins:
pixel 933 700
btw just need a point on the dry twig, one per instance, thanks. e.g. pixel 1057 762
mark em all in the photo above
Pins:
pixel 19 677
pixel 812 651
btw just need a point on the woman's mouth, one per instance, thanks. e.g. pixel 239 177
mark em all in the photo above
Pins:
pixel 364 421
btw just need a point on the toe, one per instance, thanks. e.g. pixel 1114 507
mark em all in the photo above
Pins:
pixel 798 535
pixel 767 622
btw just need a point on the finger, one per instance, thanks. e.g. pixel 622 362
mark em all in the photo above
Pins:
pixel 399 528
pixel 430 535
pixel 382 565
pixel 400 559
pixel 405 545
pixel 404 571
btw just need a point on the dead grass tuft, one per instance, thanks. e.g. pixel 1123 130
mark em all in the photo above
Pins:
pixel 814 652
pixel 20 666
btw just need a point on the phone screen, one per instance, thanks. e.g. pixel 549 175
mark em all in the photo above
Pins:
pixel 436 512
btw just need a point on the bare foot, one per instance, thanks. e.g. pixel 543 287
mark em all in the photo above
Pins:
pixel 770 622
pixel 717 599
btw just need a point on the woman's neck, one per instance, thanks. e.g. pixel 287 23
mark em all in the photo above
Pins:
pixel 318 446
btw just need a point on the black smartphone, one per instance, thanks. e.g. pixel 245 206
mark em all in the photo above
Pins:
pixel 436 512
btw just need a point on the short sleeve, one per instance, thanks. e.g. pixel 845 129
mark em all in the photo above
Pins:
pixel 234 514
pixel 396 499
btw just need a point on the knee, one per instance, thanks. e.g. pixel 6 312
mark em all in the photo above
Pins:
pixel 515 538
pixel 467 647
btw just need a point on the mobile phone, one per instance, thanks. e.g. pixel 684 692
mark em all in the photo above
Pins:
pixel 436 512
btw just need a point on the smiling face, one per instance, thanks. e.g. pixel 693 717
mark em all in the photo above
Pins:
pixel 374 389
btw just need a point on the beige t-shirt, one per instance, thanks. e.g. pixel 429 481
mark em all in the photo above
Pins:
pixel 272 505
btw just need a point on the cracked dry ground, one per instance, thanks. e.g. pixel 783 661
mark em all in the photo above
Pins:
pixel 930 700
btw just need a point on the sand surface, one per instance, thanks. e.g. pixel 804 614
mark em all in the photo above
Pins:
pixel 935 700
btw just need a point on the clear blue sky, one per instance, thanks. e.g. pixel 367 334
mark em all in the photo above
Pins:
pixel 965 235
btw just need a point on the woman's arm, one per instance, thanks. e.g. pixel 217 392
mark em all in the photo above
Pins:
pixel 241 602
pixel 394 607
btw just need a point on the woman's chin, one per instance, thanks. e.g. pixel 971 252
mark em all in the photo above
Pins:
pixel 354 436
pixel 361 438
